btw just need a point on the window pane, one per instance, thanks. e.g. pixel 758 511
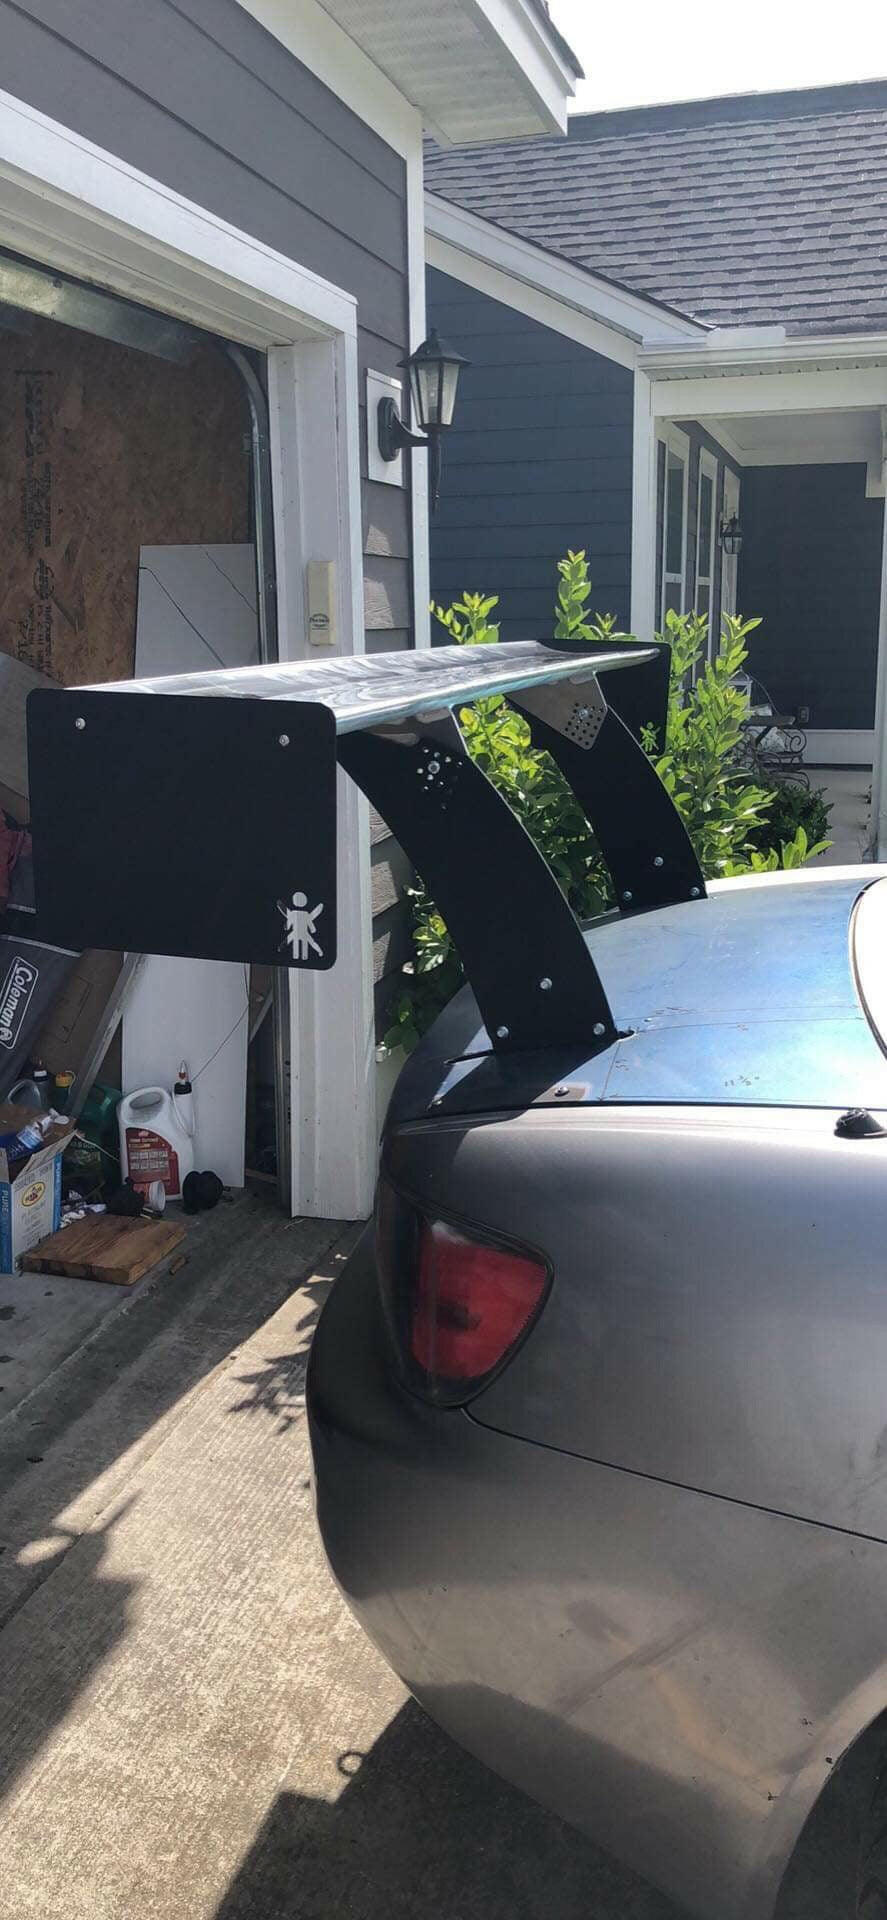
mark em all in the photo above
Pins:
pixel 674 514
pixel 672 596
pixel 703 597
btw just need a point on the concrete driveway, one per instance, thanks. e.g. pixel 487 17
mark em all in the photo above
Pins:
pixel 191 1726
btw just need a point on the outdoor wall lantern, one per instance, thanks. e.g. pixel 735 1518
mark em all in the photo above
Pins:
pixel 434 376
pixel 731 534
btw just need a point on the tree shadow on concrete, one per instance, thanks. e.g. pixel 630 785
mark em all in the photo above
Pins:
pixel 277 1388
pixel 424 1829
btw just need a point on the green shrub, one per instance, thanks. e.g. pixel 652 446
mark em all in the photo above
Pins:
pixel 792 807
pixel 725 813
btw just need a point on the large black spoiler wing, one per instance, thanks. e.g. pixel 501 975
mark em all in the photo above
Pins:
pixel 203 823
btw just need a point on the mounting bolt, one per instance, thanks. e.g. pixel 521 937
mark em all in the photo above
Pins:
pixel 583 713
pixel 283 739
pixel 438 1100
pixel 502 1033
pixel 599 1029
pixel 627 898
pixel 659 862
pixel 434 766
pixel 80 723
pixel 694 893
pixel 561 1092
pixel 545 983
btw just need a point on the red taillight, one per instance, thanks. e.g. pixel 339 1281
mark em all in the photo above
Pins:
pixel 458 1302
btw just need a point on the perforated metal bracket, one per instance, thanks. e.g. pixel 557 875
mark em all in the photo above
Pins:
pixel 641 835
pixel 533 976
pixel 577 712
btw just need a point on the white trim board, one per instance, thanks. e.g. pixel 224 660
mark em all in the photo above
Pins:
pixel 76 207
pixel 839 747
pixel 644 614
pixel 65 201
pixel 421 532
pixel 527 268
pixel 521 298
pixel 828 390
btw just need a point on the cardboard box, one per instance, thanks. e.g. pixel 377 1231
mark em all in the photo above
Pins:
pixel 31 1197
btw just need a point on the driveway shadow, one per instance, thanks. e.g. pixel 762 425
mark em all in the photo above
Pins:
pixel 70 1450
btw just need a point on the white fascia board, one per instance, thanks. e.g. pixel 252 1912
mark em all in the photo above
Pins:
pixel 791 391
pixel 533 57
pixel 722 352
pixel 537 82
pixel 522 268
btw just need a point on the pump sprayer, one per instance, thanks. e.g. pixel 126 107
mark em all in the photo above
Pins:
pixel 157 1135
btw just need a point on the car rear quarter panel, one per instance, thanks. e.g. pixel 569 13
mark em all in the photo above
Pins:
pixel 718 1317
pixel 674 1672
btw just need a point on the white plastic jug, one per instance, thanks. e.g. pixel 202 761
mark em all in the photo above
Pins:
pixel 156 1142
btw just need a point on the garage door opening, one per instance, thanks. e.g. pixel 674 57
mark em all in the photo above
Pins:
pixel 135 492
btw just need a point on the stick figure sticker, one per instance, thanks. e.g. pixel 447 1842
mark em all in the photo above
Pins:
pixel 300 926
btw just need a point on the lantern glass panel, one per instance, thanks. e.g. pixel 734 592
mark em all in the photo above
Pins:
pixel 433 384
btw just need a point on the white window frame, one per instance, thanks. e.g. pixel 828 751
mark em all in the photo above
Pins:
pixel 708 466
pixel 70 204
pixel 677 443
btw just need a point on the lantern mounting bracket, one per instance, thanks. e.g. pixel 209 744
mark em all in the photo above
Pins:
pixel 391 433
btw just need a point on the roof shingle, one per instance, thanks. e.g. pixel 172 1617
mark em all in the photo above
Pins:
pixel 762 209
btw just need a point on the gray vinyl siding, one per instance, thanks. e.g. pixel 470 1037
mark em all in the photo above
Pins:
pixel 197 95
pixel 811 568
pixel 539 460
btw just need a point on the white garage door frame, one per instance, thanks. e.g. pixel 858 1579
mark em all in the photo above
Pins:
pixel 74 206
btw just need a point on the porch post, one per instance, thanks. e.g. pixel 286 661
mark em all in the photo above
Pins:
pixel 878 830
pixel 643 510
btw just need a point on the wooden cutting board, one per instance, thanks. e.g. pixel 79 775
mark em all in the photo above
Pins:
pixel 105 1248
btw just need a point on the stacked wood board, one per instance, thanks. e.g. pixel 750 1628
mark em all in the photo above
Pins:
pixel 103 1247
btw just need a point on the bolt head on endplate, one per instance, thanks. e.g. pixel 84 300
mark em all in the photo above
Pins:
pixel 283 739
pixel 434 766
pixel 627 899
pixel 80 723
pixel 502 1033
pixel 546 983
pixel 599 1029
pixel 659 862
pixel 694 893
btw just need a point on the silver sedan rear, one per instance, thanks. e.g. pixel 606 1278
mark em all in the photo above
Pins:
pixel 598 1410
